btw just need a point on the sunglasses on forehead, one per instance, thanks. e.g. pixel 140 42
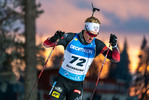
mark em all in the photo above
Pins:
pixel 91 34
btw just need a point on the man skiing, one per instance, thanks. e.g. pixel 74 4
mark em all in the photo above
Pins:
pixel 80 50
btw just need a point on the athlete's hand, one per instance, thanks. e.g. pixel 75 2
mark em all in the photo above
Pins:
pixel 58 34
pixel 113 40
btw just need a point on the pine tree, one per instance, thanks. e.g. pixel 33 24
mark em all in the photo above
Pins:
pixel 11 43
pixel 121 70
pixel 10 48
pixel 142 73
pixel 31 13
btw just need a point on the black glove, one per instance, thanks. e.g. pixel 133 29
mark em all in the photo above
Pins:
pixel 113 40
pixel 58 35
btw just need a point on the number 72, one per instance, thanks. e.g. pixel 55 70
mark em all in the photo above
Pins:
pixel 81 60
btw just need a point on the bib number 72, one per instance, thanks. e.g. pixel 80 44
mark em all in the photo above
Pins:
pixel 80 61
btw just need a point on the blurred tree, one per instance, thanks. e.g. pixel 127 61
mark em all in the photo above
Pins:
pixel 30 50
pixel 31 14
pixel 96 65
pixel 121 70
pixel 57 60
pixel 12 42
pixel 93 71
pixel 141 82
pixel 10 48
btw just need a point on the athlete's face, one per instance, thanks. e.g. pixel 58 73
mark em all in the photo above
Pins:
pixel 89 36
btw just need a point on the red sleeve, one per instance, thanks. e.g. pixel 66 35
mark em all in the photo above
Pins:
pixel 113 54
pixel 116 55
pixel 47 43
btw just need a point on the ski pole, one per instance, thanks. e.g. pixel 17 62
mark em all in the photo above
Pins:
pixel 100 72
pixel 41 71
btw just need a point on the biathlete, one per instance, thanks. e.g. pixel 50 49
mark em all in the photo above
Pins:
pixel 79 51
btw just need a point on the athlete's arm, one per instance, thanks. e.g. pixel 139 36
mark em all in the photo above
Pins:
pixel 64 39
pixel 51 41
pixel 115 51
pixel 113 54
pixel 67 38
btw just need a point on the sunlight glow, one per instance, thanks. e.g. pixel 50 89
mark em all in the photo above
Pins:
pixel 148 68
pixel 133 56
